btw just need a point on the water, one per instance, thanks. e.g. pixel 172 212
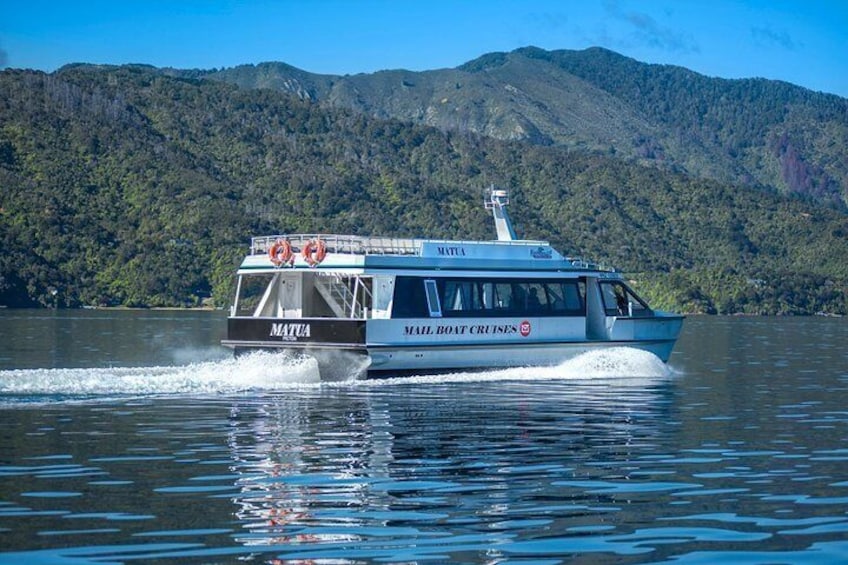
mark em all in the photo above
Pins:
pixel 131 437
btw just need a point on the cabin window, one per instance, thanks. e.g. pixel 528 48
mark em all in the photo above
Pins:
pixel 465 295
pixel 620 300
pixel 251 291
pixel 474 297
pixel 537 298
pixel 433 303
pixel 467 298
pixel 383 292
pixel 567 298
pixel 501 295
pixel 410 300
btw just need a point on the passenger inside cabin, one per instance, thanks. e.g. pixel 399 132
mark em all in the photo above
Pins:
pixel 621 301
pixel 533 300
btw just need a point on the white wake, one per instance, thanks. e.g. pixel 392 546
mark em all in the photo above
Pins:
pixel 608 364
pixel 264 371
pixel 257 371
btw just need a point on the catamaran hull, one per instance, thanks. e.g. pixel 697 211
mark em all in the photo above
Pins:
pixel 342 345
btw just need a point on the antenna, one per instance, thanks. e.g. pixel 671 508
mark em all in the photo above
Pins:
pixel 497 202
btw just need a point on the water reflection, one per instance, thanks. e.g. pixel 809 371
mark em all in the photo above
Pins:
pixel 445 470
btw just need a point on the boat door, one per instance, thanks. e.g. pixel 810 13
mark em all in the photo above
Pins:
pixel 290 296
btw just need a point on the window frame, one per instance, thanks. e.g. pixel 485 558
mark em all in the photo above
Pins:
pixel 434 305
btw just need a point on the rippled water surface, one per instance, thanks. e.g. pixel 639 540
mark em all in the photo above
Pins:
pixel 737 451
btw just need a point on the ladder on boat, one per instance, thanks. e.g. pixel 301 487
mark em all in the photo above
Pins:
pixel 344 301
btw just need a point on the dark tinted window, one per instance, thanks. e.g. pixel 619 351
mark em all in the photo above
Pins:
pixel 468 298
pixel 620 300
pixel 410 301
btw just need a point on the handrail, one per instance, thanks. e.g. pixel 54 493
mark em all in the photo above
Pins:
pixel 580 263
pixel 367 245
pixel 349 244
pixel 336 287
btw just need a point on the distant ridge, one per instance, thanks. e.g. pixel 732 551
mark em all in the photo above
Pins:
pixel 754 132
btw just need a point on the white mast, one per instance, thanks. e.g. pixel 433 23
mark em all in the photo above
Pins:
pixel 497 203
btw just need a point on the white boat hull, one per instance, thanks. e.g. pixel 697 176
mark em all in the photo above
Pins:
pixel 441 358
pixel 390 347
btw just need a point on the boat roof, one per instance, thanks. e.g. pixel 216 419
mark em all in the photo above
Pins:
pixel 363 254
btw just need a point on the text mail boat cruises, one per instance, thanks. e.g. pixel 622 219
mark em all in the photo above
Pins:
pixel 417 305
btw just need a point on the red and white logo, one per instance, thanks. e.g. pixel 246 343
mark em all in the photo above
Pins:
pixel 524 328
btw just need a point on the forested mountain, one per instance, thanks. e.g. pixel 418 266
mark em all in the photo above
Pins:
pixel 753 132
pixel 132 186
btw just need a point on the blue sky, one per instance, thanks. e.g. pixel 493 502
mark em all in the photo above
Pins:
pixel 802 42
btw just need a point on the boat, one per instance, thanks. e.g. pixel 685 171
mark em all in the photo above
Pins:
pixel 395 306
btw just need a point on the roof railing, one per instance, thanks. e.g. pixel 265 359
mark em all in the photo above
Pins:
pixel 363 245
pixel 580 263
pixel 350 244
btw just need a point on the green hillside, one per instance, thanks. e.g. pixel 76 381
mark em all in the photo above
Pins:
pixel 751 132
pixel 130 186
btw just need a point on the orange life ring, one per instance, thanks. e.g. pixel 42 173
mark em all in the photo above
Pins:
pixel 314 251
pixel 280 252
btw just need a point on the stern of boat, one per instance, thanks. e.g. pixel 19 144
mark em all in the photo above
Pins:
pixel 338 345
